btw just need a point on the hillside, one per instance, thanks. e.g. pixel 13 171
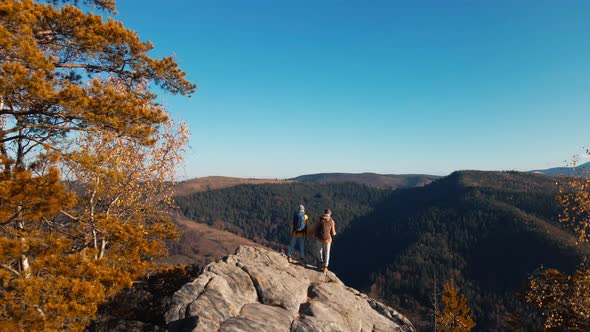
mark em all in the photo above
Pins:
pixel 263 212
pixel 383 181
pixel 489 230
pixel 581 170
pixel 202 244
pixel 217 182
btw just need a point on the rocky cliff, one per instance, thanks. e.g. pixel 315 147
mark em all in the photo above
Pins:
pixel 256 289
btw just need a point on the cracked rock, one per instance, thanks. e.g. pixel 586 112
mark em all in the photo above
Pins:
pixel 257 289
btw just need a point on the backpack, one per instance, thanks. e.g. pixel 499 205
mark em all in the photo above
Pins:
pixel 299 221
pixel 323 229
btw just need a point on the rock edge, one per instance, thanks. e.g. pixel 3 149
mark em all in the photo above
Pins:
pixel 257 289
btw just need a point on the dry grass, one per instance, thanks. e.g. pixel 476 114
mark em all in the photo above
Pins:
pixel 202 244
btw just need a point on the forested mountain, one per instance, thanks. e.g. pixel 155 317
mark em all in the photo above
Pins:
pixel 263 212
pixel 487 230
pixel 383 181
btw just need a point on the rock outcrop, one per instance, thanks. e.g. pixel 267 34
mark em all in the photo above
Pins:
pixel 259 290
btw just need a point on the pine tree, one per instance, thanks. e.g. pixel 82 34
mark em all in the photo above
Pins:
pixel 75 105
pixel 454 316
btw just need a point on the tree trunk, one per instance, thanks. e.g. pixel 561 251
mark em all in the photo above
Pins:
pixel 24 259
pixel 3 151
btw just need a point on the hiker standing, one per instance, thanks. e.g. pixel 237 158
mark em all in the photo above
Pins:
pixel 324 231
pixel 298 232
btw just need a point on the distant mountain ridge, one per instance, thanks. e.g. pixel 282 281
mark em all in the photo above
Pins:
pixel 217 182
pixel 581 170
pixel 383 181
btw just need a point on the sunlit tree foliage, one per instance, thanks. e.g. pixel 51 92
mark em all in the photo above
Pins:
pixel 86 156
pixel 455 314
pixel 564 299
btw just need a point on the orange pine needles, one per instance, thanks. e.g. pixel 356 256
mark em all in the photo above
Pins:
pixel 455 316
pixel 86 161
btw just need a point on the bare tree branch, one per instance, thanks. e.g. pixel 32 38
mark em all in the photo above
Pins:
pixel 7 267
pixel 69 215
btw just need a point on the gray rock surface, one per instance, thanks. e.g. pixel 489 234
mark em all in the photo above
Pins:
pixel 257 289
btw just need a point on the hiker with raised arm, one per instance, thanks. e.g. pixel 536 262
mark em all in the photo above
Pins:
pixel 324 231
pixel 299 229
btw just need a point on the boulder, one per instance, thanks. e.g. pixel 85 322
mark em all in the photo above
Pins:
pixel 257 289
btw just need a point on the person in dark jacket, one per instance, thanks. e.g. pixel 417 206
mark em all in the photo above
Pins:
pixel 298 236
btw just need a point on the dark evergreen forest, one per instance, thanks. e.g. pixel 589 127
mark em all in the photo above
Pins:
pixel 487 230
pixel 264 212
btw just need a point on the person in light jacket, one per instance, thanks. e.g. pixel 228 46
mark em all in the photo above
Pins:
pixel 325 230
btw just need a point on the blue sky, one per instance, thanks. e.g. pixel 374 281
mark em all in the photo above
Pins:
pixel 296 87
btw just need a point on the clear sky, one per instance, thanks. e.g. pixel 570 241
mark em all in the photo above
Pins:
pixel 295 87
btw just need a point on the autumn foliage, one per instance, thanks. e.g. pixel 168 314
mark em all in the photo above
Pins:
pixel 455 314
pixel 563 299
pixel 86 159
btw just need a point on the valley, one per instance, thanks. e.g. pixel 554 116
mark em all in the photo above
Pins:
pixel 487 230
